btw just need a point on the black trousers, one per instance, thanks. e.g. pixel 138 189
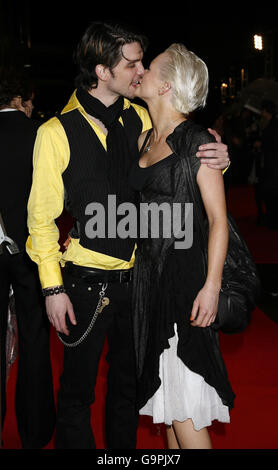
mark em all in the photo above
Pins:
pixel 35 409
pixel 79 376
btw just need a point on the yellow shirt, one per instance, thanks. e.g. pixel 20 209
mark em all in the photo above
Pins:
pixel 46 202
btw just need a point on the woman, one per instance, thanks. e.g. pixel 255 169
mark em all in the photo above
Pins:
pixel 181 375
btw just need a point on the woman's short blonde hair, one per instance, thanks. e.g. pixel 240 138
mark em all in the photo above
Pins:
pixel 188 76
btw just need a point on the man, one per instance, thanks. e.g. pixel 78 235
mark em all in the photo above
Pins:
pixel 35 409
pixel 84 156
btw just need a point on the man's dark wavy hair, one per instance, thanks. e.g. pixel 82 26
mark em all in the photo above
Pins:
pixel 12 84
pixel 102 43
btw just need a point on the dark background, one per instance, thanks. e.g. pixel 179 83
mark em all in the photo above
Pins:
pixel 40 38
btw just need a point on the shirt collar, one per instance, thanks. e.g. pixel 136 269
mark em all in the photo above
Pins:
pixel 73 103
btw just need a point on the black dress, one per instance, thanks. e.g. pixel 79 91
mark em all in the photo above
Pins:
pixel 166 282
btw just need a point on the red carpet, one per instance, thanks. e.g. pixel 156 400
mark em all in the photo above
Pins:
pixel 251 359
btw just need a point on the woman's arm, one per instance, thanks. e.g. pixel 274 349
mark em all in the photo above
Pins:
pixel 211 186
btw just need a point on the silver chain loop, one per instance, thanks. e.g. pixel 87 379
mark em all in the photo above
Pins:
pixel 92 322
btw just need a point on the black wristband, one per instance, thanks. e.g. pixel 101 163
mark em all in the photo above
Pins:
pixel 53 291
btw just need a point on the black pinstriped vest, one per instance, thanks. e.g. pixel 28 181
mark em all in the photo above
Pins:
pixel 85 179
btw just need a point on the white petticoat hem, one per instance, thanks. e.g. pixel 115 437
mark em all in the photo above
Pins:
pixel 183 394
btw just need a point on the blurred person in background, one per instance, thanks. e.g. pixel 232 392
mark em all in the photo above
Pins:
pixel 34 403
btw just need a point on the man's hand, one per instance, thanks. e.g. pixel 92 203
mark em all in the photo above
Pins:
pixel 56 308
pixel 215 154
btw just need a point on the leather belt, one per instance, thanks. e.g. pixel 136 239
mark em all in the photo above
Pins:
pixel 99 275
